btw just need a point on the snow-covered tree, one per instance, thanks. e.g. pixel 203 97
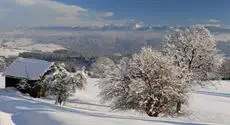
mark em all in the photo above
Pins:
pixel 40 88
pixel 2 63
pixel 23 86
pixel 148 82
pixel 225 70
pixel 102 66
pixel 63 84
pixel 194 49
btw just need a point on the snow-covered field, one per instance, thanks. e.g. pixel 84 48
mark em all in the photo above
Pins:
pixel 207 106
pixel 16 46
pixel 27 44
pixel 9 52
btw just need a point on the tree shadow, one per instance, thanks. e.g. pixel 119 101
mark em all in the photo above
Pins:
pixel 25 111
pixel 227 95
pixel 86 103
pixel 31 112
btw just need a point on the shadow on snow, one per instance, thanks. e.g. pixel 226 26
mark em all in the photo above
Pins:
pixel 227 95
pixel 31 112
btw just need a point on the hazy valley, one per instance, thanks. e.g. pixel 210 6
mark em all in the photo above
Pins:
pixel 97 41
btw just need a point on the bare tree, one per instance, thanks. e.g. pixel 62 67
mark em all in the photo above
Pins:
pixel 148 82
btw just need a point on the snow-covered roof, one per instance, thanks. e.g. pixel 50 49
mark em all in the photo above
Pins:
pixel 31 69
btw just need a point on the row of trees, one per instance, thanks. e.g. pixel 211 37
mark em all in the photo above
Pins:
pixel 159 82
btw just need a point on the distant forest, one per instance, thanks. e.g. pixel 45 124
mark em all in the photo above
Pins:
pixel 73 60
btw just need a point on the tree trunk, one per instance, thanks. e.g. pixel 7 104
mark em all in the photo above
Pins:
pixel 59 100
pixel 149 110
pixel 56 100
pixel 151 114
pixel 155 114
pixel 178 107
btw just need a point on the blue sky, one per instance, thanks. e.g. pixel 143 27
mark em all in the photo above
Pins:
pixel 161 11
pixel 30 13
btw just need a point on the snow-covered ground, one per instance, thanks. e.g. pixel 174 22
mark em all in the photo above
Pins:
pixel 207 106
pixel 5 119
pixel 9 52
pixel 211 104
pixel 16 46
pixel 30 45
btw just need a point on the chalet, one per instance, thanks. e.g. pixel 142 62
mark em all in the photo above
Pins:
pixel 23 68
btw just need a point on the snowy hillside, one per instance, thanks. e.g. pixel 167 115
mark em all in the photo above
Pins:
pixel 30 45
pixel 210 106
pixel 9 52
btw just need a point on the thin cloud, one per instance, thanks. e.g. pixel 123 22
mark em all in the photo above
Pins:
pixel 107 14
pixel 214 21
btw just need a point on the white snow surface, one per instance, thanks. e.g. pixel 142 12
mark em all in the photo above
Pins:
pixel 207 106
pixel 27 68
pixel 28 44
pixel 5 119
pixel 7 52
